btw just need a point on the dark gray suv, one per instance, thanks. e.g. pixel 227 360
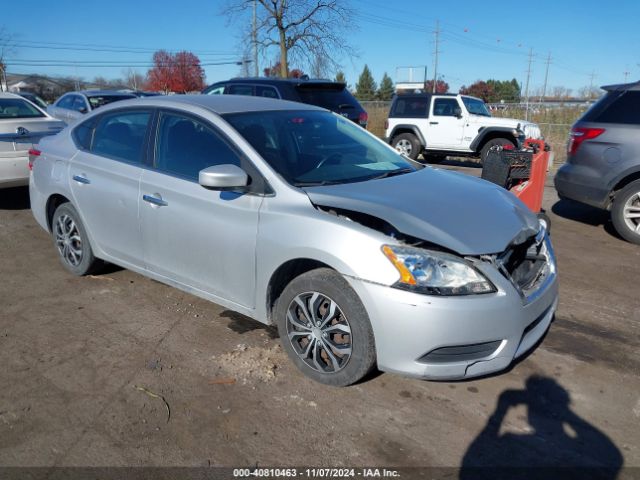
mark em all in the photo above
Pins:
pixel 603 159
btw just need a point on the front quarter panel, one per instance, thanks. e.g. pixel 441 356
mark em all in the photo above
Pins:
pixel 292 230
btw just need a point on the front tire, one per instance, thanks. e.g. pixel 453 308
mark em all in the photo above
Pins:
pixel 325 329
pixel 492 143
pixel 407 144
pixel 71 242
pixel 625 212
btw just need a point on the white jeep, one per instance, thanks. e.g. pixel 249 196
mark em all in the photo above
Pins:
pixel 446 124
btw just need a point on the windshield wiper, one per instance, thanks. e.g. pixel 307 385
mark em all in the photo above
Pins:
pixel 318 184
pixel 392 173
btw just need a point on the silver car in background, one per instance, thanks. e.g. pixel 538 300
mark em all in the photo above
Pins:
pixel 22 125
pixel 293 215
pixel 73 105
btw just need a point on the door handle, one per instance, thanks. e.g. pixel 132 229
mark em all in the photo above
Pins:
pixel 434 123
pixel 159 202
pixel 81 179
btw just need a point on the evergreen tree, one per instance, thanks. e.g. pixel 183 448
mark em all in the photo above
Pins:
pixel 387 89
pixel 366 86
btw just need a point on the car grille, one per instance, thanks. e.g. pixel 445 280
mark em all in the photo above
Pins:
pixel 527 264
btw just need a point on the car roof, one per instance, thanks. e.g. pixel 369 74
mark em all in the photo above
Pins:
pixel 220 104
pixel 9 95
pixel 275 81
pixel 104 93
pixel 622 87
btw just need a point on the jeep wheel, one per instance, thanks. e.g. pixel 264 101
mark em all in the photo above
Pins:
pixel 492 143
pixel 407 144
pixel 625 212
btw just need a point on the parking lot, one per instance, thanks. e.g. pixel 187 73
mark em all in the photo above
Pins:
pixel 119 370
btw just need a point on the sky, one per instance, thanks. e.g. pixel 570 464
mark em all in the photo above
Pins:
pixel 478 40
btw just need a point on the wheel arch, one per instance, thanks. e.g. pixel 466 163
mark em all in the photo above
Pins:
pixel 491 133
pixel 284 274
pixel 622 181
pixel 407 128
pixel 53 202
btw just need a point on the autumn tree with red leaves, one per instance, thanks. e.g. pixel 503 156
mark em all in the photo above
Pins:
pixel 441 86
pixel 479 89
pixel 178 73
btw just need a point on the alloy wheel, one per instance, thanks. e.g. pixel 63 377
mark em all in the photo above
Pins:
pixel 68 240
pixel 631 213
pixel 319 332
pixel 404 146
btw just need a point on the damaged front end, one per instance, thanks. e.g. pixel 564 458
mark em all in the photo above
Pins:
pixel 528 263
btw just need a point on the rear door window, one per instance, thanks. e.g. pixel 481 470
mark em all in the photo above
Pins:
pixel 121 135
pixel 616 107
pixel 266 91
pixel 411 107
pixel 331 96
pixel 66 102
pixel 18 108
pixel 240 90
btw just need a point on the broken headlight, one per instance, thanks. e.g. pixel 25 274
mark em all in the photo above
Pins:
pixel 435 273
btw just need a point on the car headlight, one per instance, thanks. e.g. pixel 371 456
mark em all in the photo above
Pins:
pixel 435 273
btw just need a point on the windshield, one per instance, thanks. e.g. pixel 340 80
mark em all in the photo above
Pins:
pixel 331 96
pixel 18 108
pixel 317 148
pixel 475 106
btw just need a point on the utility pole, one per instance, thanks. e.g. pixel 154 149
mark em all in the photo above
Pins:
pixel 254 38
pixel 626 75
pixel 546 78
pixel 437 52
pixel 526 88
pixel 591 77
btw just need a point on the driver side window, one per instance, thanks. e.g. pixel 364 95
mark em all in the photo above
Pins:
pixel 184 146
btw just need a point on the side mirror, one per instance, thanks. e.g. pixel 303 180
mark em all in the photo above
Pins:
pixel 223 177
pixel 83 110
pixel 457 112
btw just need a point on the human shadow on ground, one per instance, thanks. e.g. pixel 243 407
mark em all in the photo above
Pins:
pixel 557 444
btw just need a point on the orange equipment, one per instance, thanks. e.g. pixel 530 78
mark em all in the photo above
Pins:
pixel 523 172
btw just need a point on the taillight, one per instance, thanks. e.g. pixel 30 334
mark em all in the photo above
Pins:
pixel 34 153
pixel 363 118
pixel 579 135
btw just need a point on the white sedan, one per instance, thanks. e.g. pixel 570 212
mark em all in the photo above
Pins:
pixel 22 125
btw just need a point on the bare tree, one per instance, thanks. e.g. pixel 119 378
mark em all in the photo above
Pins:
pixel 301 30
pixel 6 47
pixel 133 79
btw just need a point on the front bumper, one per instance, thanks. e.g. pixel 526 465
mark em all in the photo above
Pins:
pixel 447 338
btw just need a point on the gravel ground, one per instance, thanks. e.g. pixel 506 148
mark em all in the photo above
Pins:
pixel 119 370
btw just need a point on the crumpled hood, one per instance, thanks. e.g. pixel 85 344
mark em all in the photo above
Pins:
pixel 464 214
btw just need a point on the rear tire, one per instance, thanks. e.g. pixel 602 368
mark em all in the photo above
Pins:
pixel 492 143
pixel 407 144
pixel 325 329
pixel 71 241
pixel 625 212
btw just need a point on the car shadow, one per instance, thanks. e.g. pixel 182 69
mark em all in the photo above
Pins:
pixel 16 198
pixel 579 212
pixel 557 443
pixel 242 324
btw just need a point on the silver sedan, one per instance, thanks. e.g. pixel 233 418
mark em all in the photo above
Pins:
pixel 293 215
pixel 22 125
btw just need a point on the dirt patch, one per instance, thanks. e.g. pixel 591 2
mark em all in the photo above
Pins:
pixel 247 364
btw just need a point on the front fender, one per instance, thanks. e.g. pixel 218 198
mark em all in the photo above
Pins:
pixel 487 131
